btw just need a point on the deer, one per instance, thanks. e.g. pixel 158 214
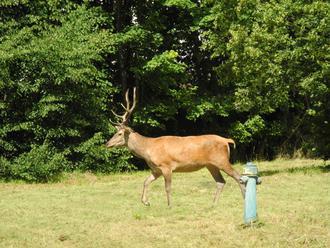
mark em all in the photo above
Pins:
pixel 168 154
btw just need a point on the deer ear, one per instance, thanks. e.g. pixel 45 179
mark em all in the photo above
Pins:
pixel 127 129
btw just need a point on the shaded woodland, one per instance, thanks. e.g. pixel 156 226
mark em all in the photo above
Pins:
pixel 256 71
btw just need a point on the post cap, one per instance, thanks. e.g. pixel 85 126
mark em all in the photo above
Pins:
pixel 250 169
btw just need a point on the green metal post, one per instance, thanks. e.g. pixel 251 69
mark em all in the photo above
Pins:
pixel 251 179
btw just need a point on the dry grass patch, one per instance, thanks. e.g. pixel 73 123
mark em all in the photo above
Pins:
pixel 85 210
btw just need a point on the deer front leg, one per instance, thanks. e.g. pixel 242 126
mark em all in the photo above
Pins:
pixel 168 181
pixel 148 180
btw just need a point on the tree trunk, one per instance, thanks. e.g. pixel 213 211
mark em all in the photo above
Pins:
pixel 123 18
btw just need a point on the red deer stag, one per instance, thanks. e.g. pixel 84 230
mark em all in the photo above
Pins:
pixel 168 154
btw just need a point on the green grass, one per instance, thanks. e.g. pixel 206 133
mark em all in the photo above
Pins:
pixel 84 210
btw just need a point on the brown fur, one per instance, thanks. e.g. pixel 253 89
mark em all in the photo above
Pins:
pixel 168 154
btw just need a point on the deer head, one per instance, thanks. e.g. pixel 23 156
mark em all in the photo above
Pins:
pixel 120 138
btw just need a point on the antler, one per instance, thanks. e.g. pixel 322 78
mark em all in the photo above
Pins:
pixel 128 109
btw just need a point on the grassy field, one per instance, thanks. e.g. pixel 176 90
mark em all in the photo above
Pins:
pixel 84 210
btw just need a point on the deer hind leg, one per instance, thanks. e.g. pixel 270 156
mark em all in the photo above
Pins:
pixel 229 170
pixel 148 180
pixel 220 181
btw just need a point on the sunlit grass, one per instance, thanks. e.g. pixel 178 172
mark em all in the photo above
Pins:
pixel 86 210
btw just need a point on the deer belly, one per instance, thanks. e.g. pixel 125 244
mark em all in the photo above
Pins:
pixel 188 168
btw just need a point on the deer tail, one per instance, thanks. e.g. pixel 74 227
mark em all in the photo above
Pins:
pixel 230 141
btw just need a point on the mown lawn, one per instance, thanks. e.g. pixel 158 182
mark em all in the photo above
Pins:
pixel 85 210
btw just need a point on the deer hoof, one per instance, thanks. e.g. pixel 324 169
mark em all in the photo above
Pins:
pixel 146 203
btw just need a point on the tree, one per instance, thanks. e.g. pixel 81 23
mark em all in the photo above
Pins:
pixel 253 70
pixel 55 90
pixel 273 56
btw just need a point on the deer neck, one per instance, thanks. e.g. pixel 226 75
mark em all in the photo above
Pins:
pixel 138 145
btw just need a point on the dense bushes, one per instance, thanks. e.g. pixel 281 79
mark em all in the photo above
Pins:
pixel 55 92
pixel 253 70
pixel 40 164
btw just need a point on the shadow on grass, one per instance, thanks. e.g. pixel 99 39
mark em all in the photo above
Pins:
pixel 306 170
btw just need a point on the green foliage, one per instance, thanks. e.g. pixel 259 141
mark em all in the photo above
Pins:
pixel 40 164
pixel 249 130
pixel 254 70
pixel 96 157
pixel 54 92
pixel 164 63
pixel 274 58
pixel 5 168
pixel 184 4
